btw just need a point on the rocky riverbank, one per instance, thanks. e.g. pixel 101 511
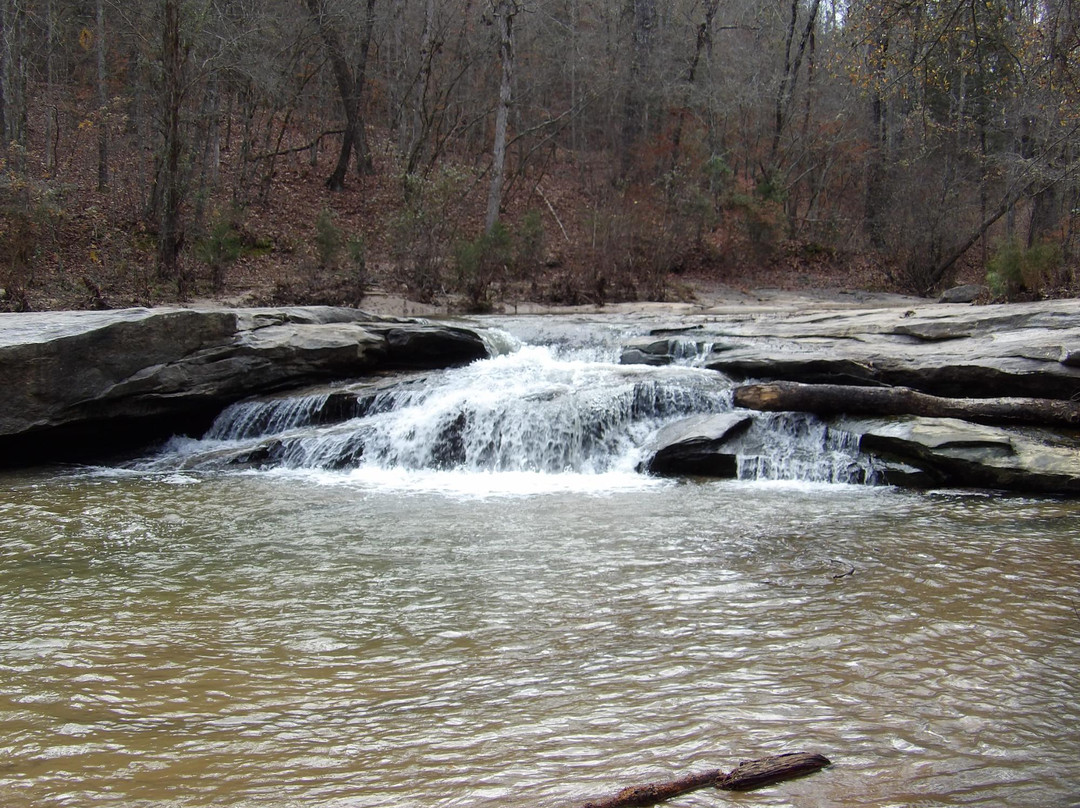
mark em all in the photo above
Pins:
pixel 994 366
pixel 936 394
pixel 83 384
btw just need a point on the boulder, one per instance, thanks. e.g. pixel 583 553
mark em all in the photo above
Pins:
pixel 946 452
pixel 968 293
pixel 72 376
pixel 666 351
pixel 1027 350
pixel 698 446
pixel 426 346
pixel 654 352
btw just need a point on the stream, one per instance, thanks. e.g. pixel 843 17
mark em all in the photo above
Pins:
pixel 458 589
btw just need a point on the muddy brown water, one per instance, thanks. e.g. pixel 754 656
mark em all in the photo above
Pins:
pixel 182 633
pixel 295 639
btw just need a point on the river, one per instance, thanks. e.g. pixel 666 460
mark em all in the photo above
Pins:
pixel 519 623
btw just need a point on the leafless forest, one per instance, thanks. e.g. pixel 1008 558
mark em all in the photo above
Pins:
pixel 560 150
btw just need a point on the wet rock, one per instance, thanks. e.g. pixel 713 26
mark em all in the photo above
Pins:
pixel 648 352
pixel 959 351
pixel 945 452
pixel 92 380
pixel 428 346
pixel 698 446
pixel 449 450
pixel 659 352
pixel 968 293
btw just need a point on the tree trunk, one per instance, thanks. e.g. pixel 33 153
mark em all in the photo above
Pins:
pixel 937 272
pixel 350 85
pixel 364 164
pixel 419 125
pixel 52 119
pixel 751 774
pixel 702 43
pixel 504 12
pixel 839 399
pixel 790 77
pixel 634 105
pixel 878 157
pixel 5 61
pixel 103 99
pixel 12 74
pixel 1045 215
pixel 170 238
pixel 748 775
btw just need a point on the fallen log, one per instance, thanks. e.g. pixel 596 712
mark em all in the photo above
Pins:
pixel 841 399
pixel 749 774
pixel 652 793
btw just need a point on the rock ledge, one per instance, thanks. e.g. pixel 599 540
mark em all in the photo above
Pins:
pixel 79 383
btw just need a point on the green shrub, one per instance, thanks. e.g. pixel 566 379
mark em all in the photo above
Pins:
pixel 220 248
pixel 328 239
pixel 481 264
pixel 1014 269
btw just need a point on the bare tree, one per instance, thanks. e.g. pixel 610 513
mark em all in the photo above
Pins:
pixel 350 80
pixel 641 56
pixel 13 110
pixel 504 11
pixel 170 191
pixel 102 95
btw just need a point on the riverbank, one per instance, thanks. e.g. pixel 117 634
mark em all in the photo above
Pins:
pixel 83 384
pixel 700 297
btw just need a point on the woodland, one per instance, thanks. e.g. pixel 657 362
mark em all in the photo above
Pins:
pixel 569 151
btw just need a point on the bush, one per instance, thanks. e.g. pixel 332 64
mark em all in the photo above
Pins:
pixel 481 264
pixel 422 230
pixel 328 239
pixel 1014 269
pixel 221 247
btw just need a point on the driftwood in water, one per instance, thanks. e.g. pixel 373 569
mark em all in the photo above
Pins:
pixel 747 775
pixel 751 774
pixel 840 399
pixel 652 793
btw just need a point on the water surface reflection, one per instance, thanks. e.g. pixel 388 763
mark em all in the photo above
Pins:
pixel 278 640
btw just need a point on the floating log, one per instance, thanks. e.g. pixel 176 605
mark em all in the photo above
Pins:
pixel 748 775
pixel 652 793
pixel 841 399
pixel 751 774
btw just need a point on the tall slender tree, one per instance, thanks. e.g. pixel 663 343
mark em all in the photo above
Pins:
pixel 350 80
pixel 505 11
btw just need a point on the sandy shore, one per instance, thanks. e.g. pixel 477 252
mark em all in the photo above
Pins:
pixel 707 299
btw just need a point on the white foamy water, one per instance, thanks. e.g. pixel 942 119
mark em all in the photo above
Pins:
pixel 551 416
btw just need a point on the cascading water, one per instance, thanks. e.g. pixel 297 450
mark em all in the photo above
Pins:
pixel 552 408
pixel 392 592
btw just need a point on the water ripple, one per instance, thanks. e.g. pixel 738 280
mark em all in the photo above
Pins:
pixel 279 642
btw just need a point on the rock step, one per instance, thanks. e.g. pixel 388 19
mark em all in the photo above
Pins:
pixel 82 382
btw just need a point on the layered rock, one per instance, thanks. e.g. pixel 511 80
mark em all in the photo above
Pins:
pixel 947 350
pixel 698 446
pixel 72 376
pixel 1014 364
pixel 944 452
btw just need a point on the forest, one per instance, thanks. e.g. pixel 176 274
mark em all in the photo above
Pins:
pixel 569 151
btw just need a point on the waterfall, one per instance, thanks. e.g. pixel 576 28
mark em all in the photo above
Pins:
pixel 794 446
pixel 555 408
